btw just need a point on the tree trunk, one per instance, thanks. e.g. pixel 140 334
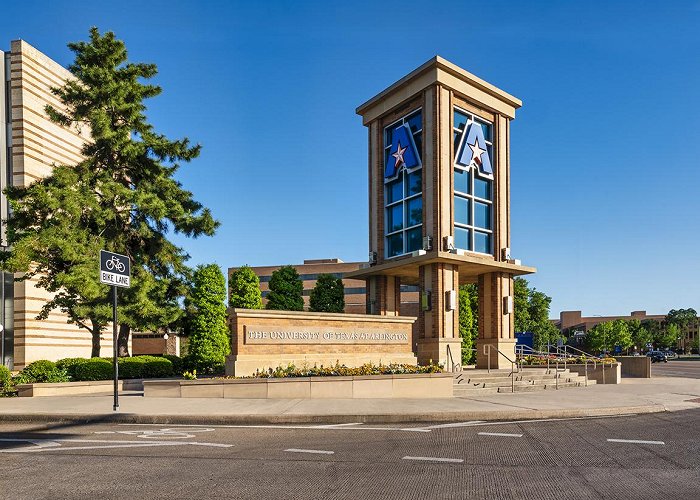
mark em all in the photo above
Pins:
pixel 123 340
pixel 95 331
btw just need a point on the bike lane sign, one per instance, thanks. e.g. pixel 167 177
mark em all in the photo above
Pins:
pixel 115 269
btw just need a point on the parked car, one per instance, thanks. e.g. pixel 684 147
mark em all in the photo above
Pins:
pixel 670 354
pixel 657 356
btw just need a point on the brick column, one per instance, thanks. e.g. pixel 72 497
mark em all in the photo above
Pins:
pixel 440 341
pixel 496 325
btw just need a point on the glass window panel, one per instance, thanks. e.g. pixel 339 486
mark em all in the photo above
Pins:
pixel 462 211
pixel 482 215
pixel 394 245
pixel 394 218
pixel 413 183
pixel 486 129
pixel 414 239
pixel 462 181
pixel 482 188
pixel 460 120
pixel 462 238
pixel 394 191
pixel 415 122
pixel 482 242
pixel 388 158
pixel 415 212
pixel 456 139
pixel 418 139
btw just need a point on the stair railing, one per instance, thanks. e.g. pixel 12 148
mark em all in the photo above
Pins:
pixel 513 364
pixel 451 361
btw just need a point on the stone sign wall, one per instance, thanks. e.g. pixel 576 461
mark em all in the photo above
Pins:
pixel 262 339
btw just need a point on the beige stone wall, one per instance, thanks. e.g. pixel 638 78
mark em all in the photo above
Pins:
pixel 37 145
pixel 248 355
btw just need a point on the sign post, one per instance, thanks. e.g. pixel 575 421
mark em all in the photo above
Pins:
pixel 115 270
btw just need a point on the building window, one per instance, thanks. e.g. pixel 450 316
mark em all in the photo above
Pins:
pixel 473 183
pixel 403 185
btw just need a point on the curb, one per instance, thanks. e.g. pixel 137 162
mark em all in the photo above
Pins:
pixel 446 416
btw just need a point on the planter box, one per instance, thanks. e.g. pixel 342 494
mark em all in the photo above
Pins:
pixel 77 388
pixel 635 366
pixel 421 386
pixel 602 374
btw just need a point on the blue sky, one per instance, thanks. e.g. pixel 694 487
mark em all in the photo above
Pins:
pixel 605 150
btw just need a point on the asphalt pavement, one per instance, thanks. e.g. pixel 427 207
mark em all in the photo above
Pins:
pixel 676 368
pixel 623 457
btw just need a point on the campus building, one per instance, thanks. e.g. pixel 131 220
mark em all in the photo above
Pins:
pixel 574 324
pixel 30 144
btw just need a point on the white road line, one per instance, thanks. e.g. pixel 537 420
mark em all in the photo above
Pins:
pixel 503 434
pixel 95 444
pixel 318 452
pixel 634 441
pixel 449 426
pixel 332 427
pixel 435 459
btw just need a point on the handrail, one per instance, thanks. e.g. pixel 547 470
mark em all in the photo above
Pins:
pixel 452 361
pixel 487 353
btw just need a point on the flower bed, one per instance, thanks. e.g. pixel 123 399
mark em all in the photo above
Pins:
pixel 339 370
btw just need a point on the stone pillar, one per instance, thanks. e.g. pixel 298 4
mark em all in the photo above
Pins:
pixel 440 342
pixel 496 323
pixel 384 295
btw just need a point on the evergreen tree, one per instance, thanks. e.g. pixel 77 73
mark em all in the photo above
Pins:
pixel 286 290
pixel 244 289
pixel 328 295
pixel 468 328
pixel 209 339
pixel 122 197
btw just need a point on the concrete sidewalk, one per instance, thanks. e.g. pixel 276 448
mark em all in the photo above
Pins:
pixel 631 396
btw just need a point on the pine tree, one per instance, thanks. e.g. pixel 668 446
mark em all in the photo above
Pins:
pixel 328 295
pixel 209 339
pixel 286 290
pixel 244 289
pixel 122 197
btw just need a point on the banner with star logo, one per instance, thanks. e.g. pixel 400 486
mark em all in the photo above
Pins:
pixel 403 151
pixel 472 151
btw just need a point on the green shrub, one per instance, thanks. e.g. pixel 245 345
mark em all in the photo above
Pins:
pixel 131 367
pixel 93 369
pixel 42 371
pixel 176 361
pixel 7 388
pixel 69 364
pixel 342 370
pixel 145 367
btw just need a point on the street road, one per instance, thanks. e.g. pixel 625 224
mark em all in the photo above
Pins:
pixel 674 368
pixel 627 457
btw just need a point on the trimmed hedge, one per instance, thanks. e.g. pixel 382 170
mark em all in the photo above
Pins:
pixel 7 388
pixel 93 369
pixel 145 367
pixel 177 363
pixel 69 364
pixel 41 371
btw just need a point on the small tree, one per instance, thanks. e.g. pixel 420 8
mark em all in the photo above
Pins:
pixel 621 334
pixel 328 295
pixel 209 341
pixel 244 289
pixel 286 290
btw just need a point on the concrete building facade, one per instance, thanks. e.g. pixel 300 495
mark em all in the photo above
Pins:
pixel 30 144
pixel 439 207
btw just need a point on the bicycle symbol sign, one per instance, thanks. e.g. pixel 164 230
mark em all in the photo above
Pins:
pixel 114 269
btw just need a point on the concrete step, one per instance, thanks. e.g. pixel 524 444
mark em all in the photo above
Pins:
pixel 476 392
pixel 542 387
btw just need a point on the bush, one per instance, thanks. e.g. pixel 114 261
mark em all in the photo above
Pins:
pixel 93 369
pixel 145 367
pixel 69 364
pixel 156 367
pixel 344 371
pixel 42 371
pixel 176 361
pixel 7 388
pixel 131 367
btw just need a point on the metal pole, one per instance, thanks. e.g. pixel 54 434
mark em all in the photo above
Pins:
pixel 116 352
pixel 586 371
pixel 556 376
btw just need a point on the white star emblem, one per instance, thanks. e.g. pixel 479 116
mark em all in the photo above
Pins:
pixel 476 151
pixel 399 156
